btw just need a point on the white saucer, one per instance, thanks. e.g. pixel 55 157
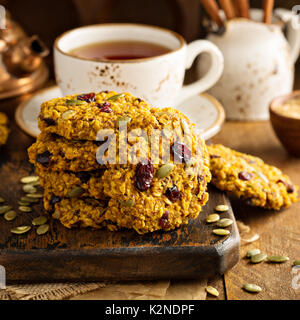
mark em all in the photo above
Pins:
pixel 204 110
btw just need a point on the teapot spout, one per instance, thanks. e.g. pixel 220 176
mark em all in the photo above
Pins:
pixel 25 56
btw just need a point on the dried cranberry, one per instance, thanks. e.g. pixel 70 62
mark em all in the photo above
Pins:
pixel 105 107
pixel 173 194
pixel 199 180
pixel 62 153
pixel 214 156
pixel 77 212
pixel 54 199
pixel 83 176
pixel 164 220
pixel 49 121
pixel 144 175
pixel 245 176
pixel 88 97
pixel 44 158
pixel 181 152
pixel 289 187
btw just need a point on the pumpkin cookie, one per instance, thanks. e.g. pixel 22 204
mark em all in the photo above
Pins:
pixel 250 179
pixel 4 131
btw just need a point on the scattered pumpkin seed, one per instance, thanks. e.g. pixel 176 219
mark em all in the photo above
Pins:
pixel 278 259
pixel 28 188
pixel 221 232
pixel 164 170
pixel 42 229
pixel 75 192
pixel 67 114
pixel 127 203
pixel 252 288
pixel 124 119
pixel 4 209
pixel 252 252
pixel 74 102
pixel 115 97
pixel 213 291
pixel 1 200
pixel 213 218
pixel 225 222
pixel 258 258
pixel 10 215
pixel 25 209
pixel 39 220
pixel 20 229
pixel 185 127
pixel 262 176
pixel 56 215
pixel 222 208
pixel 29 179
pixel 23 203
pixel 35 195
pixel 29 199
pixel 296 263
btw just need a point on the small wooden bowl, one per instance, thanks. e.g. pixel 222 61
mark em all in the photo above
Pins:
pixel 286 127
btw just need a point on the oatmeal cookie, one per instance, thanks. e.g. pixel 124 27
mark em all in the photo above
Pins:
pixel 250 179
pixel 4 131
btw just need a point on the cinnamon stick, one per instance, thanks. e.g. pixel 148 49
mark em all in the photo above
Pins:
pixel 243 8
pixel 212 9
pixel 228 8
pixel 268 6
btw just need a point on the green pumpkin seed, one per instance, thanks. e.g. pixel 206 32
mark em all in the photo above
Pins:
pixel 20 229
pixel 222 208
pixel 252 288
pixel 127 203
pixel 4 209
pixel 30 200
pixel 25 209
pixel 262 176
pixel 1 200
pixel 213 218
pixel 75 192
pixel 29 179
pixel 225 222
pixel 56 215
pixel 164 170
pixel 68 114
pixel 185 127
pixel 35 195
pixel 23 203
pixel 296 263
pixel 190 163
pixel 124 120
pixel 221 232
pixel 258 258
pixel 213 291
pixel 278 259
pixel 35 183
pixel 39 220
pixel 252 252
pixel 74 102
pixel 28 188
pixel 10 215
pixel 115 97
pixel 42 229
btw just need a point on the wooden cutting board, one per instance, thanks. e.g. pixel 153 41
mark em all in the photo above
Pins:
pixel 91 255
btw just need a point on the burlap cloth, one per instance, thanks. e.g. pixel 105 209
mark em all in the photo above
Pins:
pixel 146 290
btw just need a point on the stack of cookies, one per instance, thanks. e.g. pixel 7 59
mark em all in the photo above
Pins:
pixel 86 184
pixel 4 131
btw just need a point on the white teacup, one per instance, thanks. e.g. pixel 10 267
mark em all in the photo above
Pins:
pixel 157 79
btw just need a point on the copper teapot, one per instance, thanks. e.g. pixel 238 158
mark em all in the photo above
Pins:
pixel 22 68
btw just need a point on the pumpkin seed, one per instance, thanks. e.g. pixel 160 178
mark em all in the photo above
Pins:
pixel 258 258
pixel 127 203
pixel 213 218
pixel 278 259
pixel 20 229
pixel 222 208
pixel 115 97
pixel 1 200
pixel 213 291
pixel 296 263
pixel 29 199
pixel 74 102
pixel 225 222
pixel 262 176
pixel 35 195
pixel 67 114
pixel 42 229
pixel 190 163
pixel 252 252
pixel 185 127
pixel 23 203
pixel 10 215
pixel 4 209
pixel 29 179
pixel 252 288
pixel 35 183
pixel 124 119
pixel 25 209
pixel 39 220
pixel 75 192
pixel 164 170
pixel 56 215
pixel 28 188
pixel 221 232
